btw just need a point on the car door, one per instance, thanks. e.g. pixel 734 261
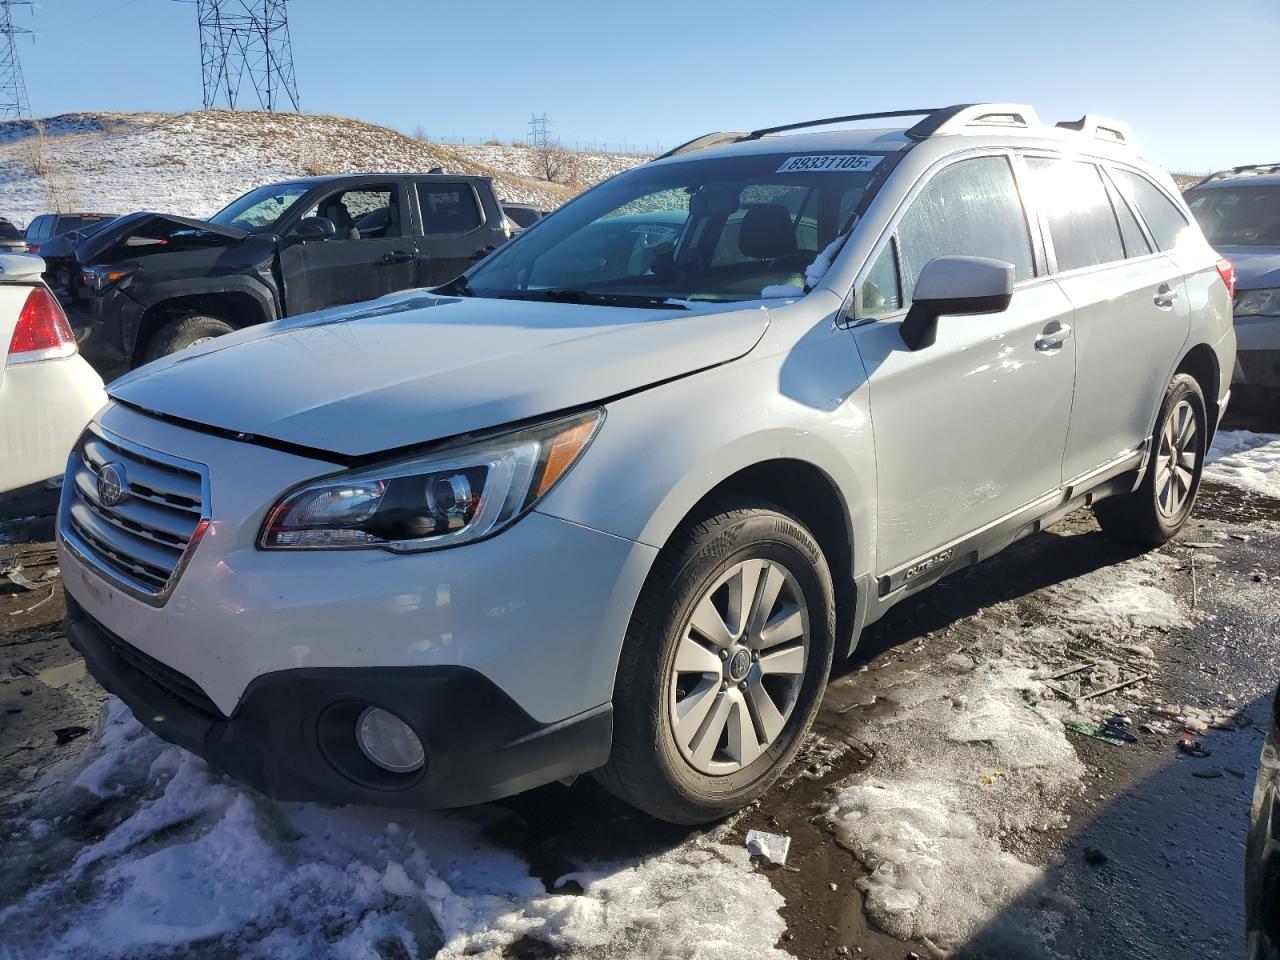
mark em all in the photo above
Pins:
pixel 455 231
pixel 970 429
pixel 371 253
pixel 1129 312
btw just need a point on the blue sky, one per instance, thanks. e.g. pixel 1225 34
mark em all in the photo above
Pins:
pixel 1197 85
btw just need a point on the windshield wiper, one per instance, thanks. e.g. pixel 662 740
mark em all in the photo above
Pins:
pixel 457 287
pixel 608 299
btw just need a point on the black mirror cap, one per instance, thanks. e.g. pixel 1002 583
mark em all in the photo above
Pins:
pixel 920 326
pixel 315 228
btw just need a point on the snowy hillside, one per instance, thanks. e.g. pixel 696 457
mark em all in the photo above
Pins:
pixel 194 163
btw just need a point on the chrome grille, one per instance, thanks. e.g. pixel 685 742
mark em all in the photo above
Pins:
pixel 142 539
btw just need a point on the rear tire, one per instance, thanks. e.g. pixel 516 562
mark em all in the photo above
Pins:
pixel 1163 501
pixel 185 332
pixel 703 725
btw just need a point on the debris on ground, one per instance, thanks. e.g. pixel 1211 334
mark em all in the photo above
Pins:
pixel 772 847
pixel 65 735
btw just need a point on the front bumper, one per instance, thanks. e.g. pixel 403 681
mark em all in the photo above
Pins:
pixel 1257 351
pixel 292 734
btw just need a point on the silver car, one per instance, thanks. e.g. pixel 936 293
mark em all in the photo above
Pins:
pixel 1239 211
pixel 615 499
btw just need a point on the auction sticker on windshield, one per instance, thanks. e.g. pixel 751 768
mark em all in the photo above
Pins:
pixel 829 163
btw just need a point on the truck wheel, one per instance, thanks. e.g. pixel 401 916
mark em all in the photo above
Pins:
pixel 1162 503
pixel 723 666
pixel 185 332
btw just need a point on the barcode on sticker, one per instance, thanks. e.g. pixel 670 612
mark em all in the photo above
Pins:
pixel 829 163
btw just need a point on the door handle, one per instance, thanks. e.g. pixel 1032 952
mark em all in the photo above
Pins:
pixel 398 256
pixel 1164 297
pixel 1053 339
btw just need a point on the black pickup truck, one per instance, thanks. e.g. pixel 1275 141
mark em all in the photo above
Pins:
pixel 150 284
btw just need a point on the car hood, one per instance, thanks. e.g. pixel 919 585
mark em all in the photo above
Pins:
pixel 1255 266
pixel 148 230
pixel 416 367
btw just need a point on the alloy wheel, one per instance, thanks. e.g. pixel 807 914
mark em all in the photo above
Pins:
pixel 739 667
pixel 1176 460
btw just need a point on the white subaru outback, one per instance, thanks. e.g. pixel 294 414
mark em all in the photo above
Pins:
pixel 613 500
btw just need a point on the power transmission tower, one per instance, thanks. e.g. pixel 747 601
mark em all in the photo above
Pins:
pixel 539 132
pixel 246 39
pixel 13 92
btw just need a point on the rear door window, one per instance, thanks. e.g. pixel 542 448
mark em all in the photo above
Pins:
pixel 448 208
pixel 1081 220
pixel 38 229
pixel 1164 219
pixel 970 209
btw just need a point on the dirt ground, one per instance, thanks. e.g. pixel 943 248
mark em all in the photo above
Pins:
pixel 1150 851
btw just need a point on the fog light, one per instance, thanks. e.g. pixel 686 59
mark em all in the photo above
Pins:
pixel 388 741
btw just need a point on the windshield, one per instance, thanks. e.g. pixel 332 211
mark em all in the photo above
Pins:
pixel 261 208
pixel 718 230
pixel 1246 216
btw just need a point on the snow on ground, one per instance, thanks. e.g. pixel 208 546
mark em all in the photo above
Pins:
pixel 200 862
pixel 976 751
pixel 1246 459
pixel 194 163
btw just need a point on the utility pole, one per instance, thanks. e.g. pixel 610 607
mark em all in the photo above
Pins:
pixel 13 92
pixel 242 39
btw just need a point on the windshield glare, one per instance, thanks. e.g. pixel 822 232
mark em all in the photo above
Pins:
pixel 717 230
pixel 259 208
pixel 1246 216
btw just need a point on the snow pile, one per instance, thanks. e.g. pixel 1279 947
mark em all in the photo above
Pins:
pixel 983 760
pixel 195 163
pixel 1246 459
pixel 975 755
pixel 200 863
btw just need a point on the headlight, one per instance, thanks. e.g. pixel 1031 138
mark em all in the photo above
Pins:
pixel 452 497
pixel 1253 303
pixel 99 278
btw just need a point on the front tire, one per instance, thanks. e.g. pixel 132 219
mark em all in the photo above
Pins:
pixel 185 332
pixel 1154 512
pixel 723 666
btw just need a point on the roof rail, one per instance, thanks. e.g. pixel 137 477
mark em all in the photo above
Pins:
pixel 940 121
pixel 766 131
pixel 1100 128
pixel 1251 169
pixel 965 116
pixel 704 141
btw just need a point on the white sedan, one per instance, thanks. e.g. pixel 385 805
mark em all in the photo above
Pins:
pixel 47 390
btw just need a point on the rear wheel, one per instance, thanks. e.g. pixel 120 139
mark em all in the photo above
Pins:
pixel 724 665
pixel 188 331
pixel 1163 501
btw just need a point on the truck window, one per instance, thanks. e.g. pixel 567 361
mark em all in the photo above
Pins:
pixel 448 208
pixel 362 213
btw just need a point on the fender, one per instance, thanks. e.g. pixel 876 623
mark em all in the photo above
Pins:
pixel 150 295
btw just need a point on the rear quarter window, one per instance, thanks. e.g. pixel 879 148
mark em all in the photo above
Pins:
pixel 1165 221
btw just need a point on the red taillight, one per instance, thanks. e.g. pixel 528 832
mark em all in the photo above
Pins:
pixel 42 332
pixel 33 248
pixel 1228 274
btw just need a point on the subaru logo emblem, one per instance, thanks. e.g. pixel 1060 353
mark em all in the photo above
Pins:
pixel 113 488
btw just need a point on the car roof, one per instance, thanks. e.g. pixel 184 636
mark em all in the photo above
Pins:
pixel 355 177
pixel 1241 180
pixel 942 130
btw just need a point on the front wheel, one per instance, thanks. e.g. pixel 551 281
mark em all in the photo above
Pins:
pixel 1162 503
pixel 724 665
pixel 188 331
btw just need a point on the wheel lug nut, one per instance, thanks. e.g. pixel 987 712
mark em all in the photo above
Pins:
pixel 724 654
pixel 755 655
pixel 724 686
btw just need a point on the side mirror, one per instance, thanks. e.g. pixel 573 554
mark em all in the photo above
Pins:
pixel 955 285
pixel 315 228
